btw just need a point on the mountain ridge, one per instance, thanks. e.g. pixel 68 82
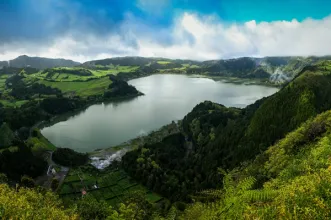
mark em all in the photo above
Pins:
pixel 38 62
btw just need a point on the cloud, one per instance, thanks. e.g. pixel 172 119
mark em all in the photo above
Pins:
pixel 191 36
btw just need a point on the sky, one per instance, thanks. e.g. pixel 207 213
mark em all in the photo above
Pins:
pixel 84 30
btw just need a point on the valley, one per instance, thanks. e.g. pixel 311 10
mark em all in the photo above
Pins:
pixel 166 98
pixel 235 141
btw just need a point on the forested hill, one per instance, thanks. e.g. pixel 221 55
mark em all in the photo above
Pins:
pixel 37 62
pixel 226 137
pixel 275 70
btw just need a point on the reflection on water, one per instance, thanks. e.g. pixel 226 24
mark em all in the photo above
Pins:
pixel 167 98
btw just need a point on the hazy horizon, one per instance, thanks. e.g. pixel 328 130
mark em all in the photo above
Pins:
pixel 90 30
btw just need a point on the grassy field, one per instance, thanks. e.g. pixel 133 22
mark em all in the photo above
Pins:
pixel 114 70
pixel 40 142
pixel 67 77
pixel 13 103
pixel 84 89
pixel 2 81
pixel 111 187
pixel 162 62
pixel 11 149
pixel 61 77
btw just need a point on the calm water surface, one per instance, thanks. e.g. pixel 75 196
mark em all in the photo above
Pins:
pixel 167 97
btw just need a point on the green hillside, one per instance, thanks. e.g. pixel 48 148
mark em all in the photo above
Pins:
pixel 296 180
pixel 225 137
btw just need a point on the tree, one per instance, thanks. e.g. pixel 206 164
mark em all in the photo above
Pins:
pixel 27 182
pixel 69 157
pixel 3 178
pixel 30 204
pixel 89 208
pixel 6 136
pixel 54 184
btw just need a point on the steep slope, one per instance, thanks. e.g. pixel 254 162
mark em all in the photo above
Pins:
pixel 38 62
pixel 297 173
pixel 232 136
pixel 306 96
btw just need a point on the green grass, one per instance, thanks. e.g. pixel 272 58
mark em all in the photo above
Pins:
pixel 97 73
pixel 78 186
pixel 40 143
pixel 97 194
pixel 13 103
pixel 3 79
pixel 66 188
pixel 117 190
pixel 113 202
pixel 126 183
pixel 83 89
pixel 137 188
pixel 48 145
pixel 153 197
pixel 114 70
pixel 61 77
pixel 73 178
pixel 113 186
pixel 106 193
pixel 11 149
pixel 163 62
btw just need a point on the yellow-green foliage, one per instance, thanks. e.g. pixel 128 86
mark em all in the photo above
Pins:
pixel 163 62
pixel 299 186
pixel 30 204
pixel 40 143
pixel 13 103
pixel 3 79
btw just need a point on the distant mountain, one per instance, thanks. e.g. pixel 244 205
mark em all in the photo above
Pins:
pixel 136 61
pixel 3 63
pixel 38 62
pixel 274 69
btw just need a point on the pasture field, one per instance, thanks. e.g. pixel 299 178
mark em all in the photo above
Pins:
pixel 13 103
pixel 61 74
pixel 114 70
pixel 163 62
pixel 83 89
pixel 112 186
pixel 2 81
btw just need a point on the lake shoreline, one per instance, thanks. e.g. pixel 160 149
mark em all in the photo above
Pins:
pixel 126 120
pixel 40 123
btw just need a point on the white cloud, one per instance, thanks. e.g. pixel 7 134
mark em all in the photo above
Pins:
pixel 191 37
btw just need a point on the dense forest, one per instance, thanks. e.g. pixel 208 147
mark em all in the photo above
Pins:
pixel 220 137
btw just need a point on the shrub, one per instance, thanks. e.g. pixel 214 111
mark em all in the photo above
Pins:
pixel 69 157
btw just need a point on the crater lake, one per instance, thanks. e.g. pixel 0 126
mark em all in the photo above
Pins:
pixel 168 97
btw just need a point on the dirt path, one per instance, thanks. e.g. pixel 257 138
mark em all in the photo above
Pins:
pixel 46 180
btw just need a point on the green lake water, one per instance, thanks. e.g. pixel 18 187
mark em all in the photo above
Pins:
pixel 167 97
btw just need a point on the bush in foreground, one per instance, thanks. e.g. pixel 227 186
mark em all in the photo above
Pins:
pixel 30 204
